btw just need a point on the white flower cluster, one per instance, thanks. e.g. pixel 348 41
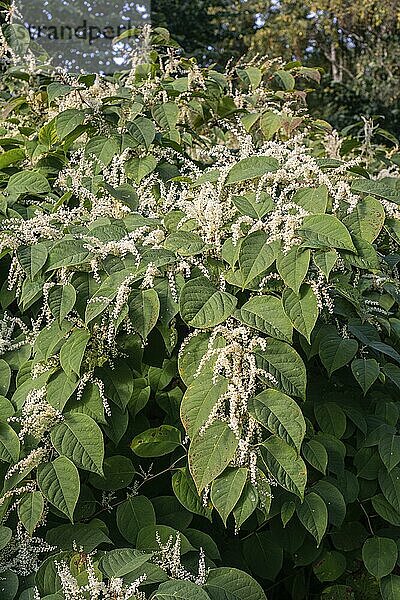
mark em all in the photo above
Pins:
pixel 169 559
pixel 37 415
pixel 95 589
pixel 23 553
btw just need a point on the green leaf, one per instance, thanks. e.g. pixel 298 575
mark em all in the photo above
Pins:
pixel 302 309
pixel 331 418
pixel 68 120
pixel 390 587
pixel 365 371
pixel 266 314
pixel 270 123
pixel 166 114
pixel 144 309
pixel 226 491
pixel 251 168
pixel 325 260
pixel 313 514
pixel 203 306
pixel 181 590
pixel 334 500
pixel 103 148
pixel 366 219
pixel 325 231
pixel 28 182
pixel 199 400
pixel 280 415
pixel 30 510
pixel 284 464
pixel 246 504
pixel 336 352
pixel 5 536
pixel 9 444
pixel 118 474
pixel 121 562
pixel 9 584
pixel 293 266
pixel 254 205
pixel 86 535
pixel 282 362
pixel 142 132
pixel 389 450
pixel 80 438
pixel 376 187
pixel 286 79
pixel 390 485
pixel 134 514
pixel 316 454
pixel 60 484
pixel 32 258
pixel 256 254
pixel 5 377
pixel 379 555
pixel 263 555
pixel 157 441
pixel 227 583
pixel 210 453
pixel 313 200
pixel 73 350
pixel 187 494
pixel 330 567
pixel 184 243
pixel 138 168
pixel 61 300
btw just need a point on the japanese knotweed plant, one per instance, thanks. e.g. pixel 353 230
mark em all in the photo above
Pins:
pixel 199 339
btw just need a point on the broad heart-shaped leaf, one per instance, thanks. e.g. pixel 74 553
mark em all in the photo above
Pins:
pixel 282 361
pixel 302 309
pixel 226 491
pixel 252 205
pixel 335 351
pixel 80 438
pixel 263 555
pixel 365 371
pixel 180 590
pixel 280 415
pixel 199 399
pixel 313 514
pixel 5 377
pixel 9 444
pixel 187 494
pixel 210 453
pixel 293 266
pixel 72 351
pixel 246 504
pixel 313 200
pixel 325 231
pixel 325 260
pixel 144 309
pixel 156 441
pixel 389 450
pixel 61 300
pixel 103 148
pixel 139 167
pixel 227 583
pixel 366 219
pixel 251 168
pixel 28 182
pixel 331 418
pixel 380 556
pixel 69 120
pixel 270 123
pixel 334 500
pixel 60 484
pixel 142 131
pixel 120 562
pixel 266 314
pixel 166 114
pixel 32 258
pixel 390 485
pixel 184 243
pixel 134 514
pixel 203 306
pixel 285 465
pixel 256 254
pixel 377 188
pixel 30 510
pixel 390 587
pixel 315 454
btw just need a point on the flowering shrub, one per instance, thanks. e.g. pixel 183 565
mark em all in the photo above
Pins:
pixel 199 338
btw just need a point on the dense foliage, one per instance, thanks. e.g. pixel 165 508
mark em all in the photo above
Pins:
pixel 199 337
